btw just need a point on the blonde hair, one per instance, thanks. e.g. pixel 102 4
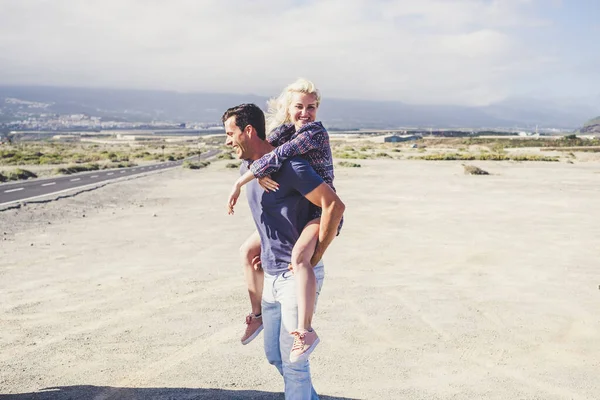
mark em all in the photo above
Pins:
pixel 277 113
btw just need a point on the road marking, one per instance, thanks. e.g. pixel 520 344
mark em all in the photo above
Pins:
pixel 91 185
pixel 48 184
pixel 13 190
pixel 75 179
pixel 110 173
pixel 122 172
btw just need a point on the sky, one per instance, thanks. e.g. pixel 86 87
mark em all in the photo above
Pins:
pixel 460 52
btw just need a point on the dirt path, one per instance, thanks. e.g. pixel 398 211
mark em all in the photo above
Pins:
pixel 441 286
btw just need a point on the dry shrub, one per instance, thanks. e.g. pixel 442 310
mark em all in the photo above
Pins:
pixel 473 170
pixel 348 164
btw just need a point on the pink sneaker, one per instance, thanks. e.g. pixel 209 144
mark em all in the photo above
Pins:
pixel 304 344
pixel 253 327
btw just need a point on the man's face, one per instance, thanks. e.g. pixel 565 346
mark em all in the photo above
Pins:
pixel 237 139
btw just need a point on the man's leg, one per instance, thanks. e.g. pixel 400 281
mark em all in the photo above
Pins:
pixel 271 316
pixel 298 383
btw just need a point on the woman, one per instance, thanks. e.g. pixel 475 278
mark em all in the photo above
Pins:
pixel 291 119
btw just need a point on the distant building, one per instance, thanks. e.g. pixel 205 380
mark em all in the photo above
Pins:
pixel 403 138
pixel 67 138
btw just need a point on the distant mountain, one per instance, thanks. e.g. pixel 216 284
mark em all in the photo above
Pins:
pixel 126 105
pixel 592 126
pixel 545 113
pixel 144 106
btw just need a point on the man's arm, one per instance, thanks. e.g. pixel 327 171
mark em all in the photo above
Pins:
pixel 332 210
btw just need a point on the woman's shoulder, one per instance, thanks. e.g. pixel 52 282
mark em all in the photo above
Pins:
pixel 283 128
pixel 313 127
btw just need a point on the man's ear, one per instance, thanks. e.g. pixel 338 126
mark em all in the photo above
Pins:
pixel 249 130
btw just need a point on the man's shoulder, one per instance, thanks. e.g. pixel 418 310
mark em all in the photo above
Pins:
pixel 298 173
pixel 244 166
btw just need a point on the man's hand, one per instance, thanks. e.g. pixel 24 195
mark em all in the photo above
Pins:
pixel 233 196
pixel 268 184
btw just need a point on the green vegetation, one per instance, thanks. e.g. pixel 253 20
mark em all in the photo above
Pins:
pixel 52 153
pixel 486 157
pixel 127 164
pixel 348 164
pixel 73 169
pixel 532 157
pixel 564 141
pixel 226 156
pixel 195 164
pixel 233 165
pixel 572 149
pixel 16 175
pixel 351 155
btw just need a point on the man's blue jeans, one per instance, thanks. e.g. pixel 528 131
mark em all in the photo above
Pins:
pixel 280 317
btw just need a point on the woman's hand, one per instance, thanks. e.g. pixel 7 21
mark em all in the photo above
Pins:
pixel 268 184
pixel 256 263
pixel 233 196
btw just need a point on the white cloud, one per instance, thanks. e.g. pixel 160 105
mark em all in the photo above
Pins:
pixel 426 51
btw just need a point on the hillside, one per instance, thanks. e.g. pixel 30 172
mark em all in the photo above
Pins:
pixel 592 126
pixel 21 102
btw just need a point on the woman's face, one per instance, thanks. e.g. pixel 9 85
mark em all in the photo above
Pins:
pixel 303 109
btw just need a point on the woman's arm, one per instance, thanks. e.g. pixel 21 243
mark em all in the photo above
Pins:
pixel 265 182
pixel 235 191
pixel 310 137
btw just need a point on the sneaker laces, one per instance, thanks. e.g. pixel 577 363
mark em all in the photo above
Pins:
pixel 298 340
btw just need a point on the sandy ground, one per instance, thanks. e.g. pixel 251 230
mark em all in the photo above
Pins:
pixel 441 286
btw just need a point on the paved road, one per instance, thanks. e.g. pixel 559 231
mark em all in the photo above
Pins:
pixel 28 190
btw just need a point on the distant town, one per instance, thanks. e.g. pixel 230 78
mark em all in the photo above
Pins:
pixel 72 126
pixel 67 116
pixel 72 122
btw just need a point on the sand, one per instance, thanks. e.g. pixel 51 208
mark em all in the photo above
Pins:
pixel 441 286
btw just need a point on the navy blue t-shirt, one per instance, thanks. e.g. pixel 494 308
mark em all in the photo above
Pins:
pixel 281 216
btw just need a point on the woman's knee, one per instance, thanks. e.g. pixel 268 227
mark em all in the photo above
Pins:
pixel 249 249
pixel 300 259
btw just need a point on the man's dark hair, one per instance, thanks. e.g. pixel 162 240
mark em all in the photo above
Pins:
pixel 247 114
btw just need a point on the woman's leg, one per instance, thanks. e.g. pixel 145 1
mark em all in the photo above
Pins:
pixel 304 273
pixel 249 251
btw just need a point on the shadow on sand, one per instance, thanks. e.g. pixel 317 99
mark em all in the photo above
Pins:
pixel 87 392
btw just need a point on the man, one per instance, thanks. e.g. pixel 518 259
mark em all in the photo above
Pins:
pixel 280 217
